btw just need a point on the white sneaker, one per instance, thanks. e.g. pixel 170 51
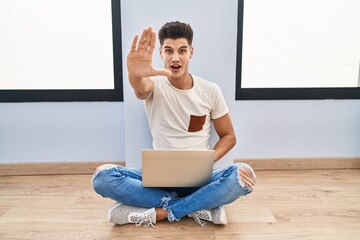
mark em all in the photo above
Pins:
pixel 123 214
pixel 215 215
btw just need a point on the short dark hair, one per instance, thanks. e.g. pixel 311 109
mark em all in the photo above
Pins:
pixel 175 30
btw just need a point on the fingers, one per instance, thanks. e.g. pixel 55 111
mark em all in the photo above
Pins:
pixel 142 39
pixel 153 42
pixel 146 42
pixel 161 72
pixel 134 42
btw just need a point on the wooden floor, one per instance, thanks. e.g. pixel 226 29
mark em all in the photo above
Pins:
pixel 296 204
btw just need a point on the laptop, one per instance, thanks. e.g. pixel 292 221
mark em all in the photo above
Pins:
pixel 176 168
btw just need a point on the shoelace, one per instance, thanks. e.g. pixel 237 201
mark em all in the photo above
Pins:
pixel 142 218
pixel 201 215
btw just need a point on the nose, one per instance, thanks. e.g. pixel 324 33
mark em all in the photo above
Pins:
pixel 175 57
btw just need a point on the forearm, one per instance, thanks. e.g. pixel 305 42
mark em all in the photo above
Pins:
pixel 224 145
pixel 142 86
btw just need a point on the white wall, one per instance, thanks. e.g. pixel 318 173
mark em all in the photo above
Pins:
pixel 214 56
pixel 96 131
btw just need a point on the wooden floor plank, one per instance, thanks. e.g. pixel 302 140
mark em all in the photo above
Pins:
pixel 289 204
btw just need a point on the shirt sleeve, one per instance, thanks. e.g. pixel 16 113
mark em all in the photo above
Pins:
pixel 219 105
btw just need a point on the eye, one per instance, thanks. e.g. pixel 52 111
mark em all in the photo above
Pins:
pixel 182 51
pixel 168 51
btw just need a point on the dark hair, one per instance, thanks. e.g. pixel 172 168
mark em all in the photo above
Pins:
pixel 175 30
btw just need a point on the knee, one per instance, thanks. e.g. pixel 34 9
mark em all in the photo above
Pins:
pixel 246 176
pixel 104 167
pixel 98 180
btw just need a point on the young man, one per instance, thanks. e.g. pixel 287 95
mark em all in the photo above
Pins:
pixel 186 106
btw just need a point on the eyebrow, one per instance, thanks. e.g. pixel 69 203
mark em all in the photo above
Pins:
pixel 182 47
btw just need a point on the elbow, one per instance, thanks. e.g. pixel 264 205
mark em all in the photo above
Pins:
pixel 138 95
pixel 233 141
pixel 141 95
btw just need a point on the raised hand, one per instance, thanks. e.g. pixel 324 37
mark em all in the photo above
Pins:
pixel 139 59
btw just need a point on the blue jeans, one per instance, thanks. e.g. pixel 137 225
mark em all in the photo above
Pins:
pixel 124 185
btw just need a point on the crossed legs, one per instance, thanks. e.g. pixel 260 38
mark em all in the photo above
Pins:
pixel 124 185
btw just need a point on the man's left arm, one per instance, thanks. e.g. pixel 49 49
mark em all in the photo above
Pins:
pixel 225 131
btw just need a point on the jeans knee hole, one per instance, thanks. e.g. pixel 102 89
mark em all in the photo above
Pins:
pixel 104 167
pixel 246 177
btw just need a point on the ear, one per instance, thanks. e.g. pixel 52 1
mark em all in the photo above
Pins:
pixel 191 51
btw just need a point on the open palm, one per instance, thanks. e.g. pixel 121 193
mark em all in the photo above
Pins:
pixel 139 59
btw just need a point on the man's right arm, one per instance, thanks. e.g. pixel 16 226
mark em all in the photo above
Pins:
pixel 143 87
pixel 139 64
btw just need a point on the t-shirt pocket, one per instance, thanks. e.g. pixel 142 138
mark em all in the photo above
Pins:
pixel 196 123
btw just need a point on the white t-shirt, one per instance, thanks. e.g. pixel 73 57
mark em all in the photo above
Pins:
pixel 181 119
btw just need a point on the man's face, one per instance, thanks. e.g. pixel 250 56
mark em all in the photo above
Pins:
pixel 176 54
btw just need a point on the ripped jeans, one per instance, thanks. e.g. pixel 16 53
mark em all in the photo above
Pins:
pixel 124 185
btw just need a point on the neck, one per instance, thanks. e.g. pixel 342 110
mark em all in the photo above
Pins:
pixel 183 83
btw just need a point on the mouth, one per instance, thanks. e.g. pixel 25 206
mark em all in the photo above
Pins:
pixel 175 67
